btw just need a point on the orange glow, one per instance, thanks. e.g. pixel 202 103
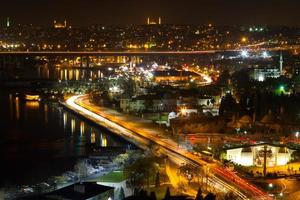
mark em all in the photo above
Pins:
pixel 244 39
pixel 32 104
pixel 73 125
pixel 17 108
pixel 93 137
pixel 81 128
pixel 32 97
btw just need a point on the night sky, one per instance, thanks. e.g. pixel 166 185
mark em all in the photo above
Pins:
pixel 86 12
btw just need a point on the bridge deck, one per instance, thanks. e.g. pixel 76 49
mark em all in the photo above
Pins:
pixel 107 53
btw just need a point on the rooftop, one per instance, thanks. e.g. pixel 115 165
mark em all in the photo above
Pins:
pixel 76 191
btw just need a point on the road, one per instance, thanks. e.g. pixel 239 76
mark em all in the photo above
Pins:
pixel 144 133
pixel 146 53
pixel 110 53
pixel 289 187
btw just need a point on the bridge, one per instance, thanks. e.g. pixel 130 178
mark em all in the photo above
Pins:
pixel 109 53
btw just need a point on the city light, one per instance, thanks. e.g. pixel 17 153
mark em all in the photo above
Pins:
pixel 183 111
pixel 261 78
pixel 114 89
pixel 281 194
pixel 297 134
pixel 217 100
pixel 244 54
pixel 281 88
pixel 265 54
pixel 244 39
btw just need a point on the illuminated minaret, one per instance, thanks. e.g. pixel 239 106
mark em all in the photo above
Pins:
pixel 65 23
pixel 7 22
pixel 159 20
pixel 148 20
pixel 281 63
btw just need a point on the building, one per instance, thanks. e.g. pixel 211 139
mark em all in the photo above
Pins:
pixel 151 102
pixel 59 25
pixel 82 191
pixel 174 76
pixel 152 22
pixel 261 74
pixel 254 155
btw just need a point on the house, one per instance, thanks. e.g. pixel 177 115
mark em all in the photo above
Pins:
pixel 81 191
pixel 151 102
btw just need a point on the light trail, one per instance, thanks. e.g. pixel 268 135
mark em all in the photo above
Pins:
pixel 110 53
pixel 143 136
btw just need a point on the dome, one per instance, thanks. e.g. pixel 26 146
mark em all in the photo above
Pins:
pixel 246 119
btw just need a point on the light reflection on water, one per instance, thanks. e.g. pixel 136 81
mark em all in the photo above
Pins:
pixel 27 110
pixel 17 103
pixel 73 125
pixel 81 129
pixel 36 134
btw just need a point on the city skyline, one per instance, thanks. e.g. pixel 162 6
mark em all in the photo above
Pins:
pixel 81 13
pixel 158 100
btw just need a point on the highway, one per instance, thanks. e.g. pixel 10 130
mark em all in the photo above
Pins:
pixel 108 53
pixel 143 134
pixel 141 53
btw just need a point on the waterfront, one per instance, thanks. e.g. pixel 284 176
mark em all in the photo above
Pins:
pixel 41 139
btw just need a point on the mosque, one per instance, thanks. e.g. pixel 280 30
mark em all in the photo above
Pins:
pixel 254 155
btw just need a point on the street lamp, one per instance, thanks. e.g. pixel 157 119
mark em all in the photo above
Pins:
pixel 183 111
pixel 270 185
pixel 244 39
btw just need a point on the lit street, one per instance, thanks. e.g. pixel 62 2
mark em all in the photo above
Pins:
pixel 129 126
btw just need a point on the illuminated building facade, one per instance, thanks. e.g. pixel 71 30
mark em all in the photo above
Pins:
pixel 254 155
pixel 152 22
pixel 173 76
pixel 59 25
pixel 261 74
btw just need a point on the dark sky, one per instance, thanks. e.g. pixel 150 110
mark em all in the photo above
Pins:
pixel 84 12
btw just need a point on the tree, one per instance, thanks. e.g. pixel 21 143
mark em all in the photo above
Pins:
pixel 122 194
pixel 228 105
pixel 210 196
pixel 230 196
pixel 199 195
pixel 224 78
pixel 296 156
pixel 168 193
pixel 121 159
pixel 241 78
pixel 140 172
pixel 152 195
pixel 157 180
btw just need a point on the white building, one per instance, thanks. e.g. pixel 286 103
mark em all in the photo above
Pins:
pixel 254 155
pixel 261 74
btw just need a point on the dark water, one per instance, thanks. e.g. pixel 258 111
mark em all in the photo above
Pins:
pixel 39 139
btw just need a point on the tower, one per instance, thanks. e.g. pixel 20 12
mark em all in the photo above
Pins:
pixel 148 20
pixel 281 63
pixel 7 22
pixel 65 23
pixel 159 20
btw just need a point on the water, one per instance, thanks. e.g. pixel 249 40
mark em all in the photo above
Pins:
pixel 39 140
